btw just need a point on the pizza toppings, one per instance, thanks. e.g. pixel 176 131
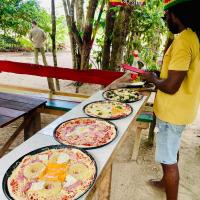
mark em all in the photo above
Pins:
pixel 108 109
pixel 70 180
pixel 63 158
pixel 86 132
pixel 125 95
pixel 55 172
pixel 52 174
pixel 79 171
pixel 43 158
pixel 37 186
pixel 34 170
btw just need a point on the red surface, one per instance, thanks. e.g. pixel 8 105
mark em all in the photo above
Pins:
pixel 95 76
pixel 133 69
pixel 117 4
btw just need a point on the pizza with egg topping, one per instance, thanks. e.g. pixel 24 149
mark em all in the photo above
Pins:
pixel 51 173
pixel 126 95
pixel 86 132
pixel 108 109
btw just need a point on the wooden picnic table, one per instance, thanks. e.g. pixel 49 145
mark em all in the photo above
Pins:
pixel 14 106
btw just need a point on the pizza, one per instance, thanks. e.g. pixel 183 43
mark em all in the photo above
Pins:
pixel 126 95
pixel 58 173
pixel 108 109
pixel 86 132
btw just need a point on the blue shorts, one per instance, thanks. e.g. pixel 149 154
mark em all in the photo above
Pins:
pixel 168 141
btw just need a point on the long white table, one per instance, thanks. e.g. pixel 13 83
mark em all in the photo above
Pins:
pixel 45 138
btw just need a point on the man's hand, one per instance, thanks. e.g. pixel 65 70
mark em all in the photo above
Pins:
pixel 150 77
pixel 171 84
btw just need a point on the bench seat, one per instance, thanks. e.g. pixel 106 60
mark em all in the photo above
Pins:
pixel 145 117
pixel 62 105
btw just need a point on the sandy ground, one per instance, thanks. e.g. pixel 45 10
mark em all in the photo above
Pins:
pixel 128 178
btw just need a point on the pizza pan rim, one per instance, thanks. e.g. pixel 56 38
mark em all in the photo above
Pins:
pixel 87 148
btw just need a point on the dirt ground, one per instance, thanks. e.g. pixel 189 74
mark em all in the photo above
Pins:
pixel 128 178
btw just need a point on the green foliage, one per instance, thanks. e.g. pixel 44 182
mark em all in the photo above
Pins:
pixel 26 44
pixel 7 43
pixel 15 23
pixel 61 37
pixel 16 15
pixel 147 32
pixel 97 52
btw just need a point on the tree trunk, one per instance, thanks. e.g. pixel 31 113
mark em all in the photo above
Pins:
pixel 121 28
pixel 87 44
pixel 81 45
pixel 53 37
pixel 71 38
pixel 80 19
pixel 110 19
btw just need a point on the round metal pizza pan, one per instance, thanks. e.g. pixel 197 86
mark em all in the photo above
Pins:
pixel 110 118
pixel 17 162
pixel 82 147
pixel 104 96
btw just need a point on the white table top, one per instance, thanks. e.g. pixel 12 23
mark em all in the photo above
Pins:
pixel 45 138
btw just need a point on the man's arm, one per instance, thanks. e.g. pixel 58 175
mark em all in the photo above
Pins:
pixel 170 85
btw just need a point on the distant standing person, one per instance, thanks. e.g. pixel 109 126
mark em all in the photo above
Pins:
pixel 38 37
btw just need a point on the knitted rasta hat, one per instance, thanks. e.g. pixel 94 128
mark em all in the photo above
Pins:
pixel 170 3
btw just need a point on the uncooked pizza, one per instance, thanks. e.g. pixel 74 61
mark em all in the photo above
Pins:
pixel 126 95
pixel 57 173
pixel 108 109
pixel 86 132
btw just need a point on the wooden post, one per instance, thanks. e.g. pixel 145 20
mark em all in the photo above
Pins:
pixel 51 85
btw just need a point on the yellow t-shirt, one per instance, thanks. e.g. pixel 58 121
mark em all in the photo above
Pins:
pixel 183 55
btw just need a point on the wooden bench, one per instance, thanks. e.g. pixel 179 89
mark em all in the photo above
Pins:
pixel 59 107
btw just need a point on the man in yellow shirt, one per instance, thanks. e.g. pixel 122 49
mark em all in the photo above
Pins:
pixel 178 95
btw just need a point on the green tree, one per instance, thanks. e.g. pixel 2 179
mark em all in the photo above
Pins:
pixel 16 17
pixel 133 27
pixel 147 30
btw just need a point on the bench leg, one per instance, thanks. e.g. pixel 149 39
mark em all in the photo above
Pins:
pixel 151 131
pixel 138 135
pixel 33 125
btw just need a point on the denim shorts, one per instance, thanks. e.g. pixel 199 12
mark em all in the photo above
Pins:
pixel 168 141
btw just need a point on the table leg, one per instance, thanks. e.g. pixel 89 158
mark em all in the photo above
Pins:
pixel 33 124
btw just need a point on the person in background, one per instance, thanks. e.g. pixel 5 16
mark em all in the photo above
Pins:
pixel 178 97
pixel 38 37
